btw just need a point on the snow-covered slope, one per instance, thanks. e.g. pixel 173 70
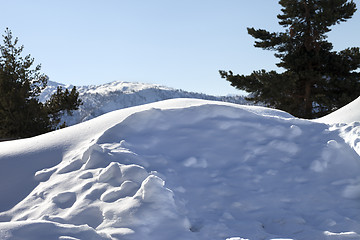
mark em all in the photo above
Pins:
pixel 182 169
pixel 347 114
pixel 346 120
pixel 108 97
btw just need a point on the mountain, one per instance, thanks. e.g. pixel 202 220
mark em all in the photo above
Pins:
pixel 184 169
pixel 108 97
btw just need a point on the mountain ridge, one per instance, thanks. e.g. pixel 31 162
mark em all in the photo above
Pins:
pixel 104 98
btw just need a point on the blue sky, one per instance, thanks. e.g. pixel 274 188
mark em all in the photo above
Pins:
pixel 180 44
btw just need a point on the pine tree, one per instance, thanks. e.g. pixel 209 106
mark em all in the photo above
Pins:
pixel 60 103
pixel 21 113
pixel 316 80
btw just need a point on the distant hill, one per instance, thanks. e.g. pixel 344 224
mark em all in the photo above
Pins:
pixel 108 97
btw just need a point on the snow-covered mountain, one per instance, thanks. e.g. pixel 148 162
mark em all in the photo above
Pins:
pixel 108 97
pixel 185 169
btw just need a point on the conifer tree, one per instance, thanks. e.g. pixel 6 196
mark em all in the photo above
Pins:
pixel 316 80
pixel 60 103
pixel 21 113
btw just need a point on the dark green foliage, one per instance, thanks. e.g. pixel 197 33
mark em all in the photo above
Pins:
pixel 316 80
pixel 21 113
pixel 62 102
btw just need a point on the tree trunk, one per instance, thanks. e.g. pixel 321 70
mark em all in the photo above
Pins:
pixel 307 100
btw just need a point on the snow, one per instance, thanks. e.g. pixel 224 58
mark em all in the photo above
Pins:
pixel 346 120
pixel 100 99
pixel 347 114
pixel 184 169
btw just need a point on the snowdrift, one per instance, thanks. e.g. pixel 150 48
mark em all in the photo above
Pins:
pixel 347 114
pixel 182 169
pixel 346 120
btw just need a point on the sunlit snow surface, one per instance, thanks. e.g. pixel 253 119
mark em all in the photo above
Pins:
pixel 347 121
pixel 184 169
pixel 347 114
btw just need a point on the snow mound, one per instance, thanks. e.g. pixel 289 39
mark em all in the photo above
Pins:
pixel 182 169
pixel 347 121
pixel 347 114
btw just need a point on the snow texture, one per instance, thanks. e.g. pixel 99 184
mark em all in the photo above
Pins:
pixel 347 114
pixel 184 169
